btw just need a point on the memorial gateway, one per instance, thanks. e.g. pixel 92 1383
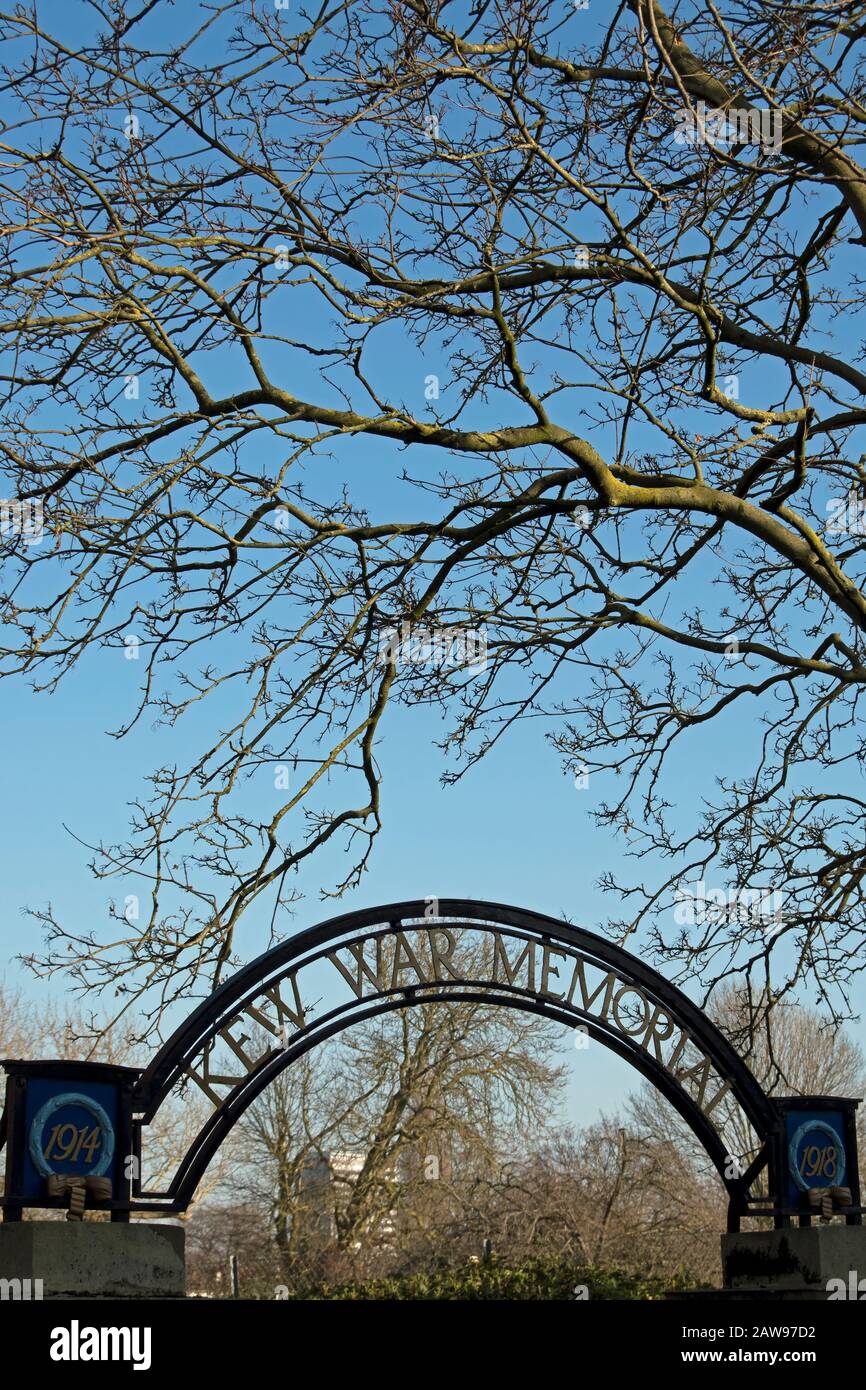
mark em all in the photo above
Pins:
pixel 76 1133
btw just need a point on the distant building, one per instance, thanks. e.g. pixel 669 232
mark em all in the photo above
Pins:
pixel 326 1189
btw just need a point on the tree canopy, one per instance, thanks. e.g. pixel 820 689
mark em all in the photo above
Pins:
pixel 516 317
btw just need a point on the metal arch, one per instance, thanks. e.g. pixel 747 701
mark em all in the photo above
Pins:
pixel 208 1141
pixel 152 1087
pixel 203 1024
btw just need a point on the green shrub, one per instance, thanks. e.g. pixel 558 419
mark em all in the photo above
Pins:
pixel 531 1280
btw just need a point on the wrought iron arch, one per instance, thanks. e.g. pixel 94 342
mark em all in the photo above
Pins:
pixel 256 987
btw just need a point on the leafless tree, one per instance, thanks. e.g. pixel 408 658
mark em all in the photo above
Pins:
pixel 516 318
pixel 432 1101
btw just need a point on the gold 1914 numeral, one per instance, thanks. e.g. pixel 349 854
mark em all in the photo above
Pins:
pixel 68 1141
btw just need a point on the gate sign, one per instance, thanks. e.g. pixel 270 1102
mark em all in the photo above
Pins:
pixel 68 1119
pixel 819 1148
pixel 71 1133
pixel 69 1130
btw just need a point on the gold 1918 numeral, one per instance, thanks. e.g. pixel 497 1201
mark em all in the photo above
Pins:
pixel 818 1163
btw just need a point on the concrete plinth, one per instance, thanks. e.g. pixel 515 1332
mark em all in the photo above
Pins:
pixel 799 1260
pixel 92 1259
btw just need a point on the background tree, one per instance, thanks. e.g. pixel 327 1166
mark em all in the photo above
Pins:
pixel 614 1197
pixel 629 445
pixel 635 1191
pixel 432 1101
pixel 630 1193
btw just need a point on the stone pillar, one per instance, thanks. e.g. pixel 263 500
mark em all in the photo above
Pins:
pixel 796 1262
pixel 91 1259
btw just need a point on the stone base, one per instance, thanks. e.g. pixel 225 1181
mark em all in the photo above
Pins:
pixel 92 1259
pixel 798 1261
